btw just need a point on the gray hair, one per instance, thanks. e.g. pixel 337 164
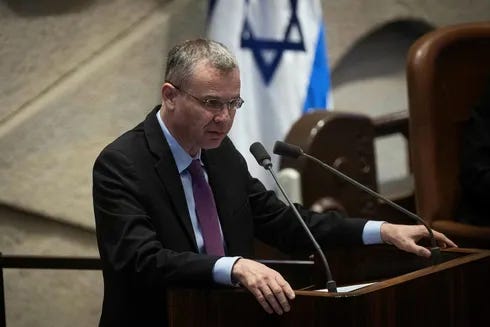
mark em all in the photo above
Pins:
pixel 183 57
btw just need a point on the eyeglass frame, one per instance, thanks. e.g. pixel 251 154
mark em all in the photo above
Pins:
pixel 207 102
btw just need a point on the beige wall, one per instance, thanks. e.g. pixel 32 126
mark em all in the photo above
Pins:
pixel 75 74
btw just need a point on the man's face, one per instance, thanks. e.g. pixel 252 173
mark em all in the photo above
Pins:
pixel 193 124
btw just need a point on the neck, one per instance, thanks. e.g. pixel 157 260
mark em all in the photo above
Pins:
pixel 186 144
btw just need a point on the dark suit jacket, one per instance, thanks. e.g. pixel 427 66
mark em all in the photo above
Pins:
pixel 475 165
pixel 144 232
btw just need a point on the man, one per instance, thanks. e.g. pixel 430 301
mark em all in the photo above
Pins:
pixel 175 205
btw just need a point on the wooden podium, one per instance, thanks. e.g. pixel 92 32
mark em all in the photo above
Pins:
pixel 408 291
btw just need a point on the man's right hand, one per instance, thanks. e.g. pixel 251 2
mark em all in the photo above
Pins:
pixel 267 285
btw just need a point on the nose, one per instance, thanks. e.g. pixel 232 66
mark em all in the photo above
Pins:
pixel 224 114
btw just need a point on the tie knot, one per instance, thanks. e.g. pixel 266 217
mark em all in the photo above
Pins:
pixel 195 168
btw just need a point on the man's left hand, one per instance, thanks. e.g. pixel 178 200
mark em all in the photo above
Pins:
pixel 405 237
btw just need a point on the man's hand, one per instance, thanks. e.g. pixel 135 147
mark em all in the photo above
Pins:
pixel 405 237
pixel 267 285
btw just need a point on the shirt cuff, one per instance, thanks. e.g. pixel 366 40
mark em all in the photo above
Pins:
pixel 222 270
pixel 371 234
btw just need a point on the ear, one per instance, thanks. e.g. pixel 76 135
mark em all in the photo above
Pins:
pixel 169 93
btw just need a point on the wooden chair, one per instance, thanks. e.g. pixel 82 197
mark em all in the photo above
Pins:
pixel 446 73
pixel 346 142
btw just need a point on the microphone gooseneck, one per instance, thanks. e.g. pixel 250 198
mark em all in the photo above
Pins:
pixel 294 151
pixel 264 159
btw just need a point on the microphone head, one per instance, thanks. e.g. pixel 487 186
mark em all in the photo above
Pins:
pixel 260 154
pixel 287 150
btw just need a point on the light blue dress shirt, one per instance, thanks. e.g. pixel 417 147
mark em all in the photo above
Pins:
pixel 222 268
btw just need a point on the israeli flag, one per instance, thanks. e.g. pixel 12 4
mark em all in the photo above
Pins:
pixel 280 46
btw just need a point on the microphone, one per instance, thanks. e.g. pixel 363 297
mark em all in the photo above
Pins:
pixel 264 159
pixel 294 151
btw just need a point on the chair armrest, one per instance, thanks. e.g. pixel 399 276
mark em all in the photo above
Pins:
pixel 327 203
pixel 392 123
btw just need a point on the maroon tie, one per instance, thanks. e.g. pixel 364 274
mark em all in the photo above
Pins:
pixel 206 210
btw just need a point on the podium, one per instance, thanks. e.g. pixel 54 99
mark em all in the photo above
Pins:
pixel 407 291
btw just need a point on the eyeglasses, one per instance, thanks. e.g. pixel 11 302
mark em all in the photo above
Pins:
pixel 213 104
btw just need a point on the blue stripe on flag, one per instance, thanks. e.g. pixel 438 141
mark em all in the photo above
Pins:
pixel 211 5
pixel 319 87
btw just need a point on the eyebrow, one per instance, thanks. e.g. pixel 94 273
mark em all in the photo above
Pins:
pixel 215 97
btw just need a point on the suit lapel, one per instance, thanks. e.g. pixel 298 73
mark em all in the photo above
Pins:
pixel 167 171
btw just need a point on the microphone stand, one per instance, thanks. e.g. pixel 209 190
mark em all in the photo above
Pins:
pixel 331 285
pixel 264 160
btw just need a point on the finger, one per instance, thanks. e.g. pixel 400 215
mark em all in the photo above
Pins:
pixel 262 300
pixel 419 250
pixel 441 238
pixel 409 245
pixel 285 287
pixel 272 300
pixel 280 296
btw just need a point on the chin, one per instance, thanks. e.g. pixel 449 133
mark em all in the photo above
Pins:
pixel 212 144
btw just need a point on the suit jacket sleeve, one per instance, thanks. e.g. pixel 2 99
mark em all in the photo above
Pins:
pixel 278 226
pixel 275 223
pixel 126 236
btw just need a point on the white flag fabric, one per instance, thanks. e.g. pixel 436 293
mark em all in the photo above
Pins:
pixel 280 46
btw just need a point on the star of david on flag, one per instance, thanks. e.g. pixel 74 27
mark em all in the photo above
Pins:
pixel 280 46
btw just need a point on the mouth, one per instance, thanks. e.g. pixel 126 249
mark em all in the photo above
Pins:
pixel 217 133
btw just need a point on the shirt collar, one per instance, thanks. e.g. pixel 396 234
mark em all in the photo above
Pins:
pixel 182 158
